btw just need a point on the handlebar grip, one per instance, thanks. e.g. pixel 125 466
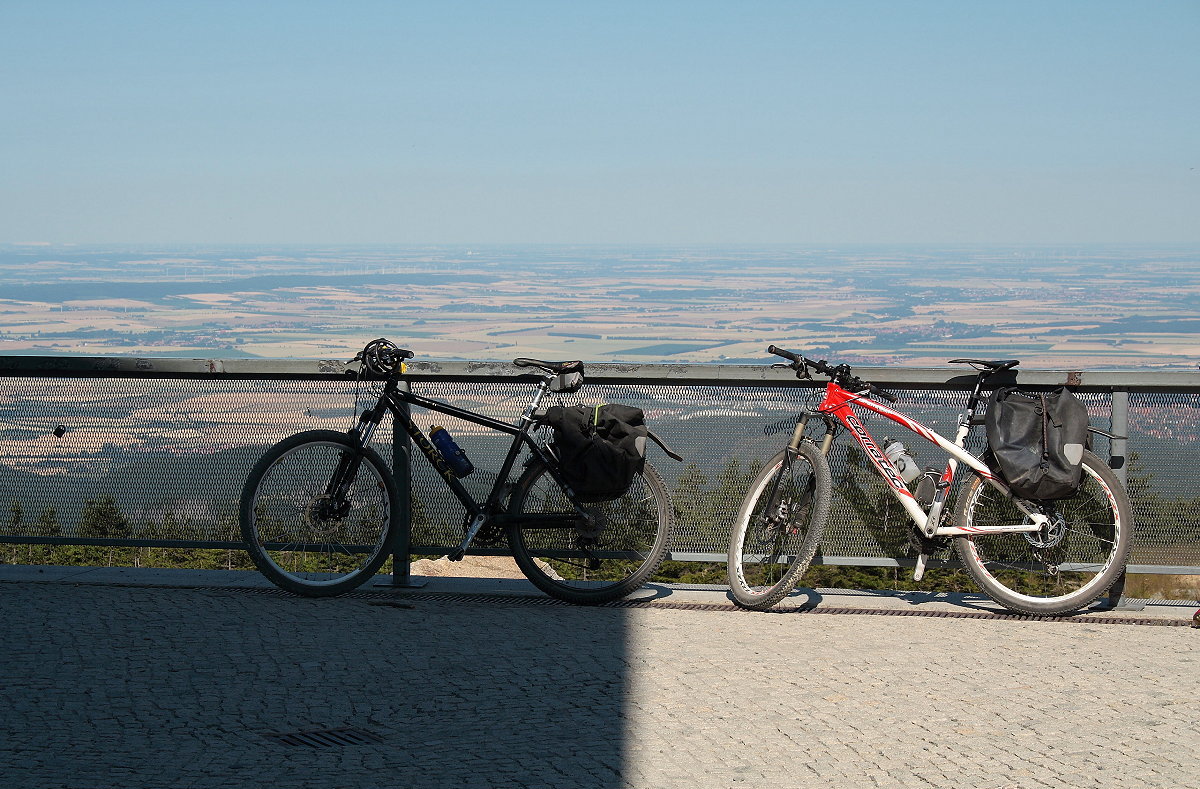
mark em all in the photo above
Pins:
pixel 785 354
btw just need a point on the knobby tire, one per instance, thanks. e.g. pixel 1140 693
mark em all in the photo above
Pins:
pixel 595 564
pixel 779 527
pixel 1059 569
pixel 293 539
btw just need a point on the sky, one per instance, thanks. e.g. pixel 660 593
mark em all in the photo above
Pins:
pixel 644 122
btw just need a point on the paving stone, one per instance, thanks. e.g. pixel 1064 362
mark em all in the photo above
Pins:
pixel 155 687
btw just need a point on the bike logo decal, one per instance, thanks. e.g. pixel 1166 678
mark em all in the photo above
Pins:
pixel 881 461
pixel 435 457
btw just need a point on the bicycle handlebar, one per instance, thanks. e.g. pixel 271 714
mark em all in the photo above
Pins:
pixel 839 374
pixel 785 354
pixel 383 357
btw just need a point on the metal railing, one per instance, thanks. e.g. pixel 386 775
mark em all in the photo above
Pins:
pixel 153 452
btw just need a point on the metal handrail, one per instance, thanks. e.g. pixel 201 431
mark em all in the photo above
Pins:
pixel 949 377
pixel 1118 383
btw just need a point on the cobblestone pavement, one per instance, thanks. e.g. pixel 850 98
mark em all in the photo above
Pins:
pixel 120 686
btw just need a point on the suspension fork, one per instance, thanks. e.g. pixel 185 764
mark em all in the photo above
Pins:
pixel 767 519
pixel 802 423
pixel 348 463
pixel 793 447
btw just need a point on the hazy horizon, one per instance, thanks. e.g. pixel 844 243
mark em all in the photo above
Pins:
pixel 1077 306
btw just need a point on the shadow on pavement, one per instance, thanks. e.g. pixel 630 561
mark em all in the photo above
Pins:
pixel 188 687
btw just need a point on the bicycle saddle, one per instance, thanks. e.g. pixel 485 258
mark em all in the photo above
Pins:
pixel 979 364
pixel 557 368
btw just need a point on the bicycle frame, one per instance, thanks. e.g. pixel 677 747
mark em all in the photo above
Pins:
pixel 837 405
pixel 395 399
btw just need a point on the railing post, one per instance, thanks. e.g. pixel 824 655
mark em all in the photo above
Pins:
pixel 402 474
pixel 1119 426
pixel 1118 461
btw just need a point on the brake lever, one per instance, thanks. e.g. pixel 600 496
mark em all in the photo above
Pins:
pixel 801 370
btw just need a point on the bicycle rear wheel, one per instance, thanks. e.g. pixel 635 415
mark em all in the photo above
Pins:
pixel 779 527
pixel 590 563
pixel 305 540
pixel 1061 568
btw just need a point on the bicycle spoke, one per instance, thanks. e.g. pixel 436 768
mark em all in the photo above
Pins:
pixel 602 556
pixel 305 540
pixel 1062 566
pixel 779 527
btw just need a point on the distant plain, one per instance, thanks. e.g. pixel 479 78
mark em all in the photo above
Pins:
pixel 1069 307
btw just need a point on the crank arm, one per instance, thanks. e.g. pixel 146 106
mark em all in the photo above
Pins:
pixel 476 524
pixel 919 569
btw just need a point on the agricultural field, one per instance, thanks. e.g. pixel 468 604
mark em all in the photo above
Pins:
pixel 1103 308
pixel 172 457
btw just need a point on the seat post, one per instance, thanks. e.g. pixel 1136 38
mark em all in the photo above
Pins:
pixel 973 400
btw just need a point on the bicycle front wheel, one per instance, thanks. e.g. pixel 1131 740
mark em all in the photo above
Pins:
pixel 301 533
pixel 590 561
pixel 1056 570
pixel 779 527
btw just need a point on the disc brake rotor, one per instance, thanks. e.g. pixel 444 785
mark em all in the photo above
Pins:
pixel 1051 535
pixel 324 515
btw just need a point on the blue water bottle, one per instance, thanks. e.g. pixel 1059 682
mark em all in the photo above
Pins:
pixel 456 459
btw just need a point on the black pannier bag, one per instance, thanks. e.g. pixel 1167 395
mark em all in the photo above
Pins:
pixel 1037 440
pixel 600 448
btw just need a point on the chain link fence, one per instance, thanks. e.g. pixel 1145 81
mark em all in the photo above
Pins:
pixel 134 459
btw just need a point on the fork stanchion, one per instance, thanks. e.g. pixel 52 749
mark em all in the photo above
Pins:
pixel 401 473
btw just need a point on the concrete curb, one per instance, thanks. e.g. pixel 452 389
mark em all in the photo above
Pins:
pixel 519 587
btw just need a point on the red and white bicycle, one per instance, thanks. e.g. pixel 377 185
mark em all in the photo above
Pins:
pixel 1034 557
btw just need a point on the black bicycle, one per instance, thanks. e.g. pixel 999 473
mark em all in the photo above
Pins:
pixel 317 510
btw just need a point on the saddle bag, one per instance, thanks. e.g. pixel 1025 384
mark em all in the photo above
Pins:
pixel 600 448
pixel 1037 440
